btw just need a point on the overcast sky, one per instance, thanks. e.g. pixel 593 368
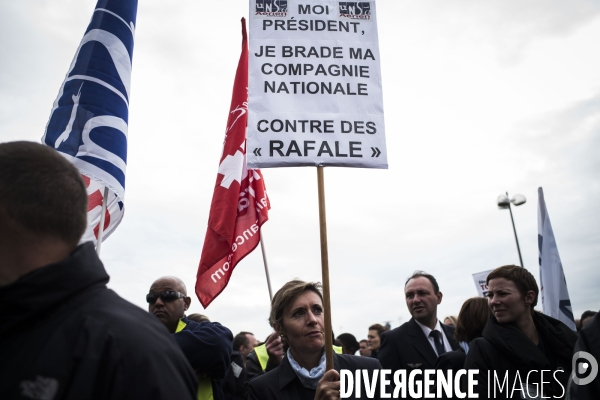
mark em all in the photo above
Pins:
pixel 480 98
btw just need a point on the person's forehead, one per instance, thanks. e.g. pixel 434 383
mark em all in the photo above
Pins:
pixel 306 298
pixel 418 283
pixel 165 284
pixel 501 283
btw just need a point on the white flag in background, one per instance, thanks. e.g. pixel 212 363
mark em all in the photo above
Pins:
pixel 555 296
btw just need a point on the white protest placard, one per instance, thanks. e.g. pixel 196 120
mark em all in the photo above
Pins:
pixel 314 95
pixel 480 278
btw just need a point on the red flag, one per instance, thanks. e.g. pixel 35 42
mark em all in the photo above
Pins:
pixel 239 205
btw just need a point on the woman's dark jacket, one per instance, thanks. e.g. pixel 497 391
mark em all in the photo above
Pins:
pixel 282 383
pixel 506 350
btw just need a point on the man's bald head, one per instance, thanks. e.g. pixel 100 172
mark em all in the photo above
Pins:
pixel 172 281
pixel 170 306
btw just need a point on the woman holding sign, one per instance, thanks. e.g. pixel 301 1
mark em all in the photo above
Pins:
pixel 297 316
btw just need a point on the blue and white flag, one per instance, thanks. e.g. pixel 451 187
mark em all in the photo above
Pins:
pixel 555 296
pixel 88 122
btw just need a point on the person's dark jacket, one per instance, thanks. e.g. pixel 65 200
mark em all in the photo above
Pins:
pixel 283 383
pixel 589 341
pixel 207 347
pixel 505 349
pixel 449 364
pixel 234 383
pixel 64 335
pixel 451 360
pixel 407 347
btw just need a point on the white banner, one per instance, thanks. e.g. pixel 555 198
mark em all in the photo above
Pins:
pixel 480 278
pixel 314 95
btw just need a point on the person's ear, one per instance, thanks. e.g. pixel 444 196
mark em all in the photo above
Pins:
pixel 187 301
pixel 529 297
pixel 439 297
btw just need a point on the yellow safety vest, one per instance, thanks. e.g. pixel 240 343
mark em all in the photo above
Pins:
pixel 263 356
pixel 205 391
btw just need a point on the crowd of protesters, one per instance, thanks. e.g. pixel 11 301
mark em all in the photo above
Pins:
pixel 65 335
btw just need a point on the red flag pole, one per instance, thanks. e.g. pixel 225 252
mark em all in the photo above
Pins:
pixel 102 217
pixel 325 270
pixel 264 254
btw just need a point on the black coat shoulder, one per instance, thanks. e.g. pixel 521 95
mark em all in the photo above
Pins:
pixel 589 341
pixel 207 346
pixel 283 384
pixel 347 361
pixel 61 329
pixel 504 349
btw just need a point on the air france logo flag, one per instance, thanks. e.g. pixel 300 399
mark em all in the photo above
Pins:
pixel 89 119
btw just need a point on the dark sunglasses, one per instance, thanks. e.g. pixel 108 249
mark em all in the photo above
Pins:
pixel 164 296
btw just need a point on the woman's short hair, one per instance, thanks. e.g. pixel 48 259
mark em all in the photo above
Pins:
pixel 286 296
pixel 522 278
pixel 472 318
pixel 379 328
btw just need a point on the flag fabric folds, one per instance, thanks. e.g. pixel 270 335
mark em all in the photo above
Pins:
pixel 239 205
pixel 555 296
pixel 89 118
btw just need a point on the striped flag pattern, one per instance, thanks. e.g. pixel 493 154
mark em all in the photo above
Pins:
pixel 89 119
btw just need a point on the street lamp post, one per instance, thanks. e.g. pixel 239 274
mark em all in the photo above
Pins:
pixel 503 203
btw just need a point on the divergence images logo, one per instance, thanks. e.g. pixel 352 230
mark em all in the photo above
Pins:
pixel 355 9
pixel 271 8
pixel 584 364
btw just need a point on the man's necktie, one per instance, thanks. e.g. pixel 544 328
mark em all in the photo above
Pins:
pixel 439 344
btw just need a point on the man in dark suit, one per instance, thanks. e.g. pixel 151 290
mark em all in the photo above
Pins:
pixel 417 343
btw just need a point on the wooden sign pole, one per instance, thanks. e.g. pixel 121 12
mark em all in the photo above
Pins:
pixel 325 271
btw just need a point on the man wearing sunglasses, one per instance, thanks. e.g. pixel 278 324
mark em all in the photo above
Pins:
pixel 63 333
pixel 207 345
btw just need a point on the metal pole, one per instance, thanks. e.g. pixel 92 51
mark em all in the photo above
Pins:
pixel 264 254
pixel 515 231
